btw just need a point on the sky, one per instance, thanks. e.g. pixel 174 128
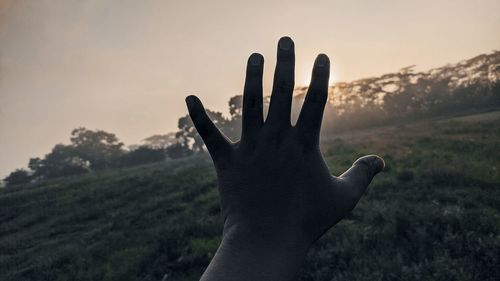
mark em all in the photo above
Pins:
pixel 125 66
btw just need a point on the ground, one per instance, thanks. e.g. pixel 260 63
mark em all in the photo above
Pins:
pixel 434 214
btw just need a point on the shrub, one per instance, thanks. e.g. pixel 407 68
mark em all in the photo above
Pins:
pixel 405 176
pixel 19 176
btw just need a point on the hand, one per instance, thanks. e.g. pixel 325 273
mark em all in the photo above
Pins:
pixel 275 189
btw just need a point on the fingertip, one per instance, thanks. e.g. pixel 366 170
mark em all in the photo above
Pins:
pixel 319 81
pixel 378 163
pixel 321 71
pixel 192 101
pixel 322 60
pixel 285 43
pixel 286 49
pixel 374 163
pixel 256 59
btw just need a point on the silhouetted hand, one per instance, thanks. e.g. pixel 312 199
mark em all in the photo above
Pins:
pixel 277 194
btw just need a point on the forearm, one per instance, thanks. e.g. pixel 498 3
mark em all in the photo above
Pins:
pixel 247 256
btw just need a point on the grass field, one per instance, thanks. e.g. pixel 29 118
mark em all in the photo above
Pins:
pixel 434 214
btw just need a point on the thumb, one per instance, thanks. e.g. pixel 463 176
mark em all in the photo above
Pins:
pixel 362 172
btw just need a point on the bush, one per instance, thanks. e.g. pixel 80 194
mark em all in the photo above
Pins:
pixel 178 150
pixel 143 155
pixel 405 176
pixel 19 176
pixel 445 175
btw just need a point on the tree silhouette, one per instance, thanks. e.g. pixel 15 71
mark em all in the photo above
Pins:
pixel 19 176
pixel 143 155
pixel 63 160
pixel 101 149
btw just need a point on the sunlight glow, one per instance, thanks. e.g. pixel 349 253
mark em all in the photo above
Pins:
pixel 333 78
pixel 307 79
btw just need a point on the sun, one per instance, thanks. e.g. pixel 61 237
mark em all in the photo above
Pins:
pixel 331 81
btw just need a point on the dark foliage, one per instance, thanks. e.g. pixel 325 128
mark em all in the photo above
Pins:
pixel 143 155
pixel 63 160
pixel 178 150
pixel 101 149
pixel 19 176
pixel 89 151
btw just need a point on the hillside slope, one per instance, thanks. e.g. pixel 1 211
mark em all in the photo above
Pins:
pixel 433 215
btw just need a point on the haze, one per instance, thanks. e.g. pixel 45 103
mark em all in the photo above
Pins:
pixel 126 66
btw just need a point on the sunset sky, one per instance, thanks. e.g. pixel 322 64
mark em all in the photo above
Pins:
pixel 126 66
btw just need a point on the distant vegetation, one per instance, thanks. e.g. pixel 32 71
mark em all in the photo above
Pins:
pixel 469 86
pixel 88 151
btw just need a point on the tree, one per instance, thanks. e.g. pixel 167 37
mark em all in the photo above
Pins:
pixel 19 176
pixel 63 160
pixel 232 125
pixel 89 151
pixel 236 106
pixel 178 150
pixel 160 141
pixel 143 155
pixel 101 149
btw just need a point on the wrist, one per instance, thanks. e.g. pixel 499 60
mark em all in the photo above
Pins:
pixel 261 238
pixel 246 254
pixel 267 232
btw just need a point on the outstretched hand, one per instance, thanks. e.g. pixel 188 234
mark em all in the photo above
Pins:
pixel 277 194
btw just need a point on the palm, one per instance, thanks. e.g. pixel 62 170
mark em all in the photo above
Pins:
pixel 275 180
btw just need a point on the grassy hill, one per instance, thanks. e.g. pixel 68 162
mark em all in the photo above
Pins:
pixel 433 215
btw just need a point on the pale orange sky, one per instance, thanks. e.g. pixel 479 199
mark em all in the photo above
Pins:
pixel 126 66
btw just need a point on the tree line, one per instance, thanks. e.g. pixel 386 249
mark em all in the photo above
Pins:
pixel 471 85
pixel 97 150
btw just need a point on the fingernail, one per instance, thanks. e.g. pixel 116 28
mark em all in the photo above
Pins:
pixel 379 164
pixel 255 59
pixel 321 60
pixel 190 101
pixel 285 43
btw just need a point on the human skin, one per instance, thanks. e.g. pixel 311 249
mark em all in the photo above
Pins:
pixel 277 194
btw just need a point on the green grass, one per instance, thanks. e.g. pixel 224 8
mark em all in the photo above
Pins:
pixel 433 215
